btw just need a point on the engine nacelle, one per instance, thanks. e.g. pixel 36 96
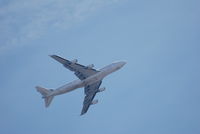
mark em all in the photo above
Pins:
pixel 90 66
pixel 94 102
pixel 102 89
pixel 74 61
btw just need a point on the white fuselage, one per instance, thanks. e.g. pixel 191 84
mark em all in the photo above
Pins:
pixel 92 79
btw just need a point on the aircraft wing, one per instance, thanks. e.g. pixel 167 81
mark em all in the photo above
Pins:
pixel 90 92
pixel 81 71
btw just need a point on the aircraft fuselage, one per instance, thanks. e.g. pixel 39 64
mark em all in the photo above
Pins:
pixel 90 80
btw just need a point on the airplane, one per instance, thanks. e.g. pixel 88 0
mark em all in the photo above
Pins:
pixel 89 78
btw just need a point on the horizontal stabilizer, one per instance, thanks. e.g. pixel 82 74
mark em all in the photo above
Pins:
pixel 45 95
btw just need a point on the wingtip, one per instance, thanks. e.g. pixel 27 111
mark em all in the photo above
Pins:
pixel 37 88
pixel 82 113
pixel 52 55
pixel 46 105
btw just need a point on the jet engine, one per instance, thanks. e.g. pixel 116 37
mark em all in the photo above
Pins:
pixel 94 102
pixel 74 61
pixel 102 89
pixel 90 66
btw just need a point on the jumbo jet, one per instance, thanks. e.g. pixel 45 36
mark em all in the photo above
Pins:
pixel 89 78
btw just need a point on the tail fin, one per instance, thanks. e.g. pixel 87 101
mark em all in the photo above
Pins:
pixel 45 95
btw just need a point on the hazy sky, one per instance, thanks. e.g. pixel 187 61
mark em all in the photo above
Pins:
pixel 157 91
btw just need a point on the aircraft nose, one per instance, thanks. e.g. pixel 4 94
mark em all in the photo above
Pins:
pixel 122 63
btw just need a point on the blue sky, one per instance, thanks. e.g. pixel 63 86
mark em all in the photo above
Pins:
pixel 157 91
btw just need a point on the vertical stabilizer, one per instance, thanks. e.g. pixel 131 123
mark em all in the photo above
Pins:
pixel 46 95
